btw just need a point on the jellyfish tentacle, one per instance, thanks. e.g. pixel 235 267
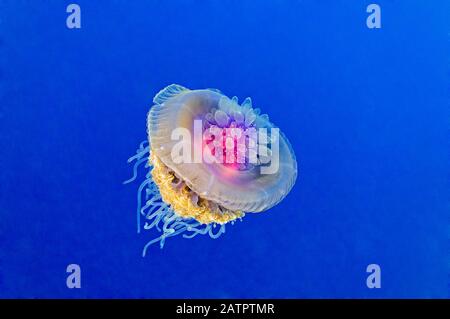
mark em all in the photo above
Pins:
pixel 140 157
pixel 135 168
pixel 139 203
pixel 151 242
pixel 174 225
pixel 196 231
pixel 143 149
pixel 151 209
pixel 216 235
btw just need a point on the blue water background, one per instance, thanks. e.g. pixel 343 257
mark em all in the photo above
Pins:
pixel 365 110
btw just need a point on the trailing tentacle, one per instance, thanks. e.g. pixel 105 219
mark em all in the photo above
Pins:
pixel 158 214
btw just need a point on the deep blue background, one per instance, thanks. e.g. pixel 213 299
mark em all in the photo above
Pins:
pixel 365 110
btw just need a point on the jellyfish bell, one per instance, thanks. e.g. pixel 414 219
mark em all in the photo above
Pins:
pixel 238 163
pixel 248 190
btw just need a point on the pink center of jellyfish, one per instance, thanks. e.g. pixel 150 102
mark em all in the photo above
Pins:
pixel 229 140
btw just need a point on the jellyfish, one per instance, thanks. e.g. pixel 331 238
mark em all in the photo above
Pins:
pixel 232 161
